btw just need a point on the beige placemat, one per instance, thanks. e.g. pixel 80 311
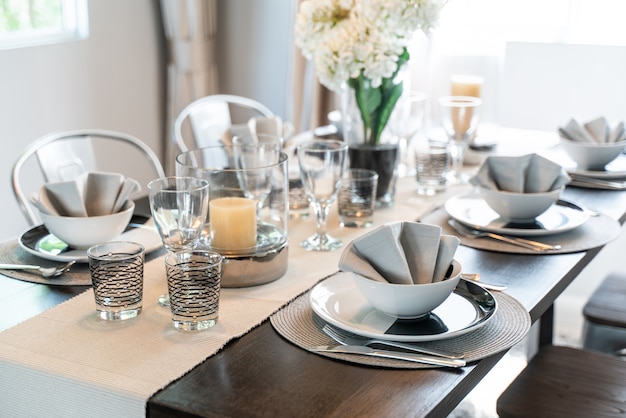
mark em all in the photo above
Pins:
pixel 300 325
pixel 597 231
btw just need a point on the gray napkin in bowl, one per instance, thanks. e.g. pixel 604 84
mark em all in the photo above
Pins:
pixel 401 253
pixel 529 173
pixel 90 194
pixel 595 131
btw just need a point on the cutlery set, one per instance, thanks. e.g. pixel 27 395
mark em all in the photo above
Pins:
pixel 470 233
pixel 47 272
pixel 410 352
pixel 591 182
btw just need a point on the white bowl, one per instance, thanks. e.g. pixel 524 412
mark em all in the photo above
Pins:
pixel 408 301
pixel 592 156
pixel 83 232
pixel 519 206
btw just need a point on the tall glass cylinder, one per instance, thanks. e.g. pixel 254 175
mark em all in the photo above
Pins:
pixel 248 214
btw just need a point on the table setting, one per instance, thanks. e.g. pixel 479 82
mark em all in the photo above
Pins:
pixel 593 153
pixel 517 206
pixel 97 202
pixel 400 283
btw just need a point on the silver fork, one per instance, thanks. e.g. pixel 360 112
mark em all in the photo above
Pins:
pixel 47 272
pixel 520 242
pixel 344 339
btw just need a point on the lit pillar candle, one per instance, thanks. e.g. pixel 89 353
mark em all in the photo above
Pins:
pixel 466 85
pixel 233 223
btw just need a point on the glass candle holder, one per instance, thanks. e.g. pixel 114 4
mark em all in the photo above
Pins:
pixel 248 215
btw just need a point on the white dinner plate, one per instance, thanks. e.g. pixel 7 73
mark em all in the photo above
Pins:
pixel 614 170
pixel 338 301
pixel 38 241
pixel 473 211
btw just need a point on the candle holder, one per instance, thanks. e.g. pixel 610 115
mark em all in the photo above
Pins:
pixel 250 200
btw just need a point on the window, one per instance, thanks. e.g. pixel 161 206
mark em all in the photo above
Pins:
pixel 36 22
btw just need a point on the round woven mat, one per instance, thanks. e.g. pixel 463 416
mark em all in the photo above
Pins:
pixel 300 325
pixel 12 253
pixel 597 231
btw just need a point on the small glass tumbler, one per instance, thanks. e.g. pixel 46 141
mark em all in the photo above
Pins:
pixel 193 283
pixel 299 205
pixel 432 166
pixel 357 198
pixel 117 279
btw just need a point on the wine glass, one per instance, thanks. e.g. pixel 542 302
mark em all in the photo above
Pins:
pixel 405 123
pixel 322 165
pixel 459 117
pixel 254 157
pixel 179 207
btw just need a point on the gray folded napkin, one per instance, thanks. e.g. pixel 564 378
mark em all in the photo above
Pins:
pixel 401 253
pixel 596 131
pixel 90 194
pixel 529 173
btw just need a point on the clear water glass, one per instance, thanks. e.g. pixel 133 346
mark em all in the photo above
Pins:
pixel 179 207
pixel 459 118
pixel 322 166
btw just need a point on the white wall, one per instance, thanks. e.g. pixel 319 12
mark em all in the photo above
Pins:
pixel 112 80
pixel 255 51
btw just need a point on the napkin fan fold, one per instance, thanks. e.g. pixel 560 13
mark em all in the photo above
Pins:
pixel 529 173
pixel 401 253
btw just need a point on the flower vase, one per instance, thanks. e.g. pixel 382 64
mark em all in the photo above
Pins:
pixel 381 154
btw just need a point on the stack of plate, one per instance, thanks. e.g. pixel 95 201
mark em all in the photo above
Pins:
pixel 612 177
pixel 472 210
pixel 338 302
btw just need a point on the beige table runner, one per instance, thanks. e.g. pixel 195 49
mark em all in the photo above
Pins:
pixel 66 362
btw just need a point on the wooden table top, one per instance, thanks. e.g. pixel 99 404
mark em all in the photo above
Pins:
pixel 261 374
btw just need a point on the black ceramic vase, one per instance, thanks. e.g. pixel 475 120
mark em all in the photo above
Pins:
pixel 382 158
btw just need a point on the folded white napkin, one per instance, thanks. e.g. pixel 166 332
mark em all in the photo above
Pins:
pixel 529 173
pixel 90 194
pixel 401 253
pixel 596 131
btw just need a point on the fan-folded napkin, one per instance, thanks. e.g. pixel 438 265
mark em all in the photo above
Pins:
pixel 529 173
pixel 90 194
pixel 401 253
pixel 596 131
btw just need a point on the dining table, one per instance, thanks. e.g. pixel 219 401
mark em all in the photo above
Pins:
pixel 259 372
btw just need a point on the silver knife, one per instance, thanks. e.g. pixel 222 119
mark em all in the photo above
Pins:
pixel 368 351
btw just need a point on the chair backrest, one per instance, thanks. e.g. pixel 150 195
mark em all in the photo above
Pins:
pixel 62 156
pixel 205 121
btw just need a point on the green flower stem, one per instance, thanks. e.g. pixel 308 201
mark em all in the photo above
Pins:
pixel 376 104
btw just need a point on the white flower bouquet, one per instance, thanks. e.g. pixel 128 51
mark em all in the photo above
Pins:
pixel 363 44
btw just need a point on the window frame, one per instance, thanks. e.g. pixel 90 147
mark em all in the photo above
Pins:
pixel 75 26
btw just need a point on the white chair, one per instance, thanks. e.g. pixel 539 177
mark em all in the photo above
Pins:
pixel 205 121
pixel 62 156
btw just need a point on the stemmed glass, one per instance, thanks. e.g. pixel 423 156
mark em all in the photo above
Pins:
pixel 254 157
pixel 322 165
pixel 459 117
pixel 405 123
pixel 179 207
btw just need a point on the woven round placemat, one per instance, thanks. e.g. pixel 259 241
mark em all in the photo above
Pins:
pixel 12 253
pixel 301 326
pixel 597 231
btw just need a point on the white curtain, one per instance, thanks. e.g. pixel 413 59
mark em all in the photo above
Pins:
pixel 190 31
